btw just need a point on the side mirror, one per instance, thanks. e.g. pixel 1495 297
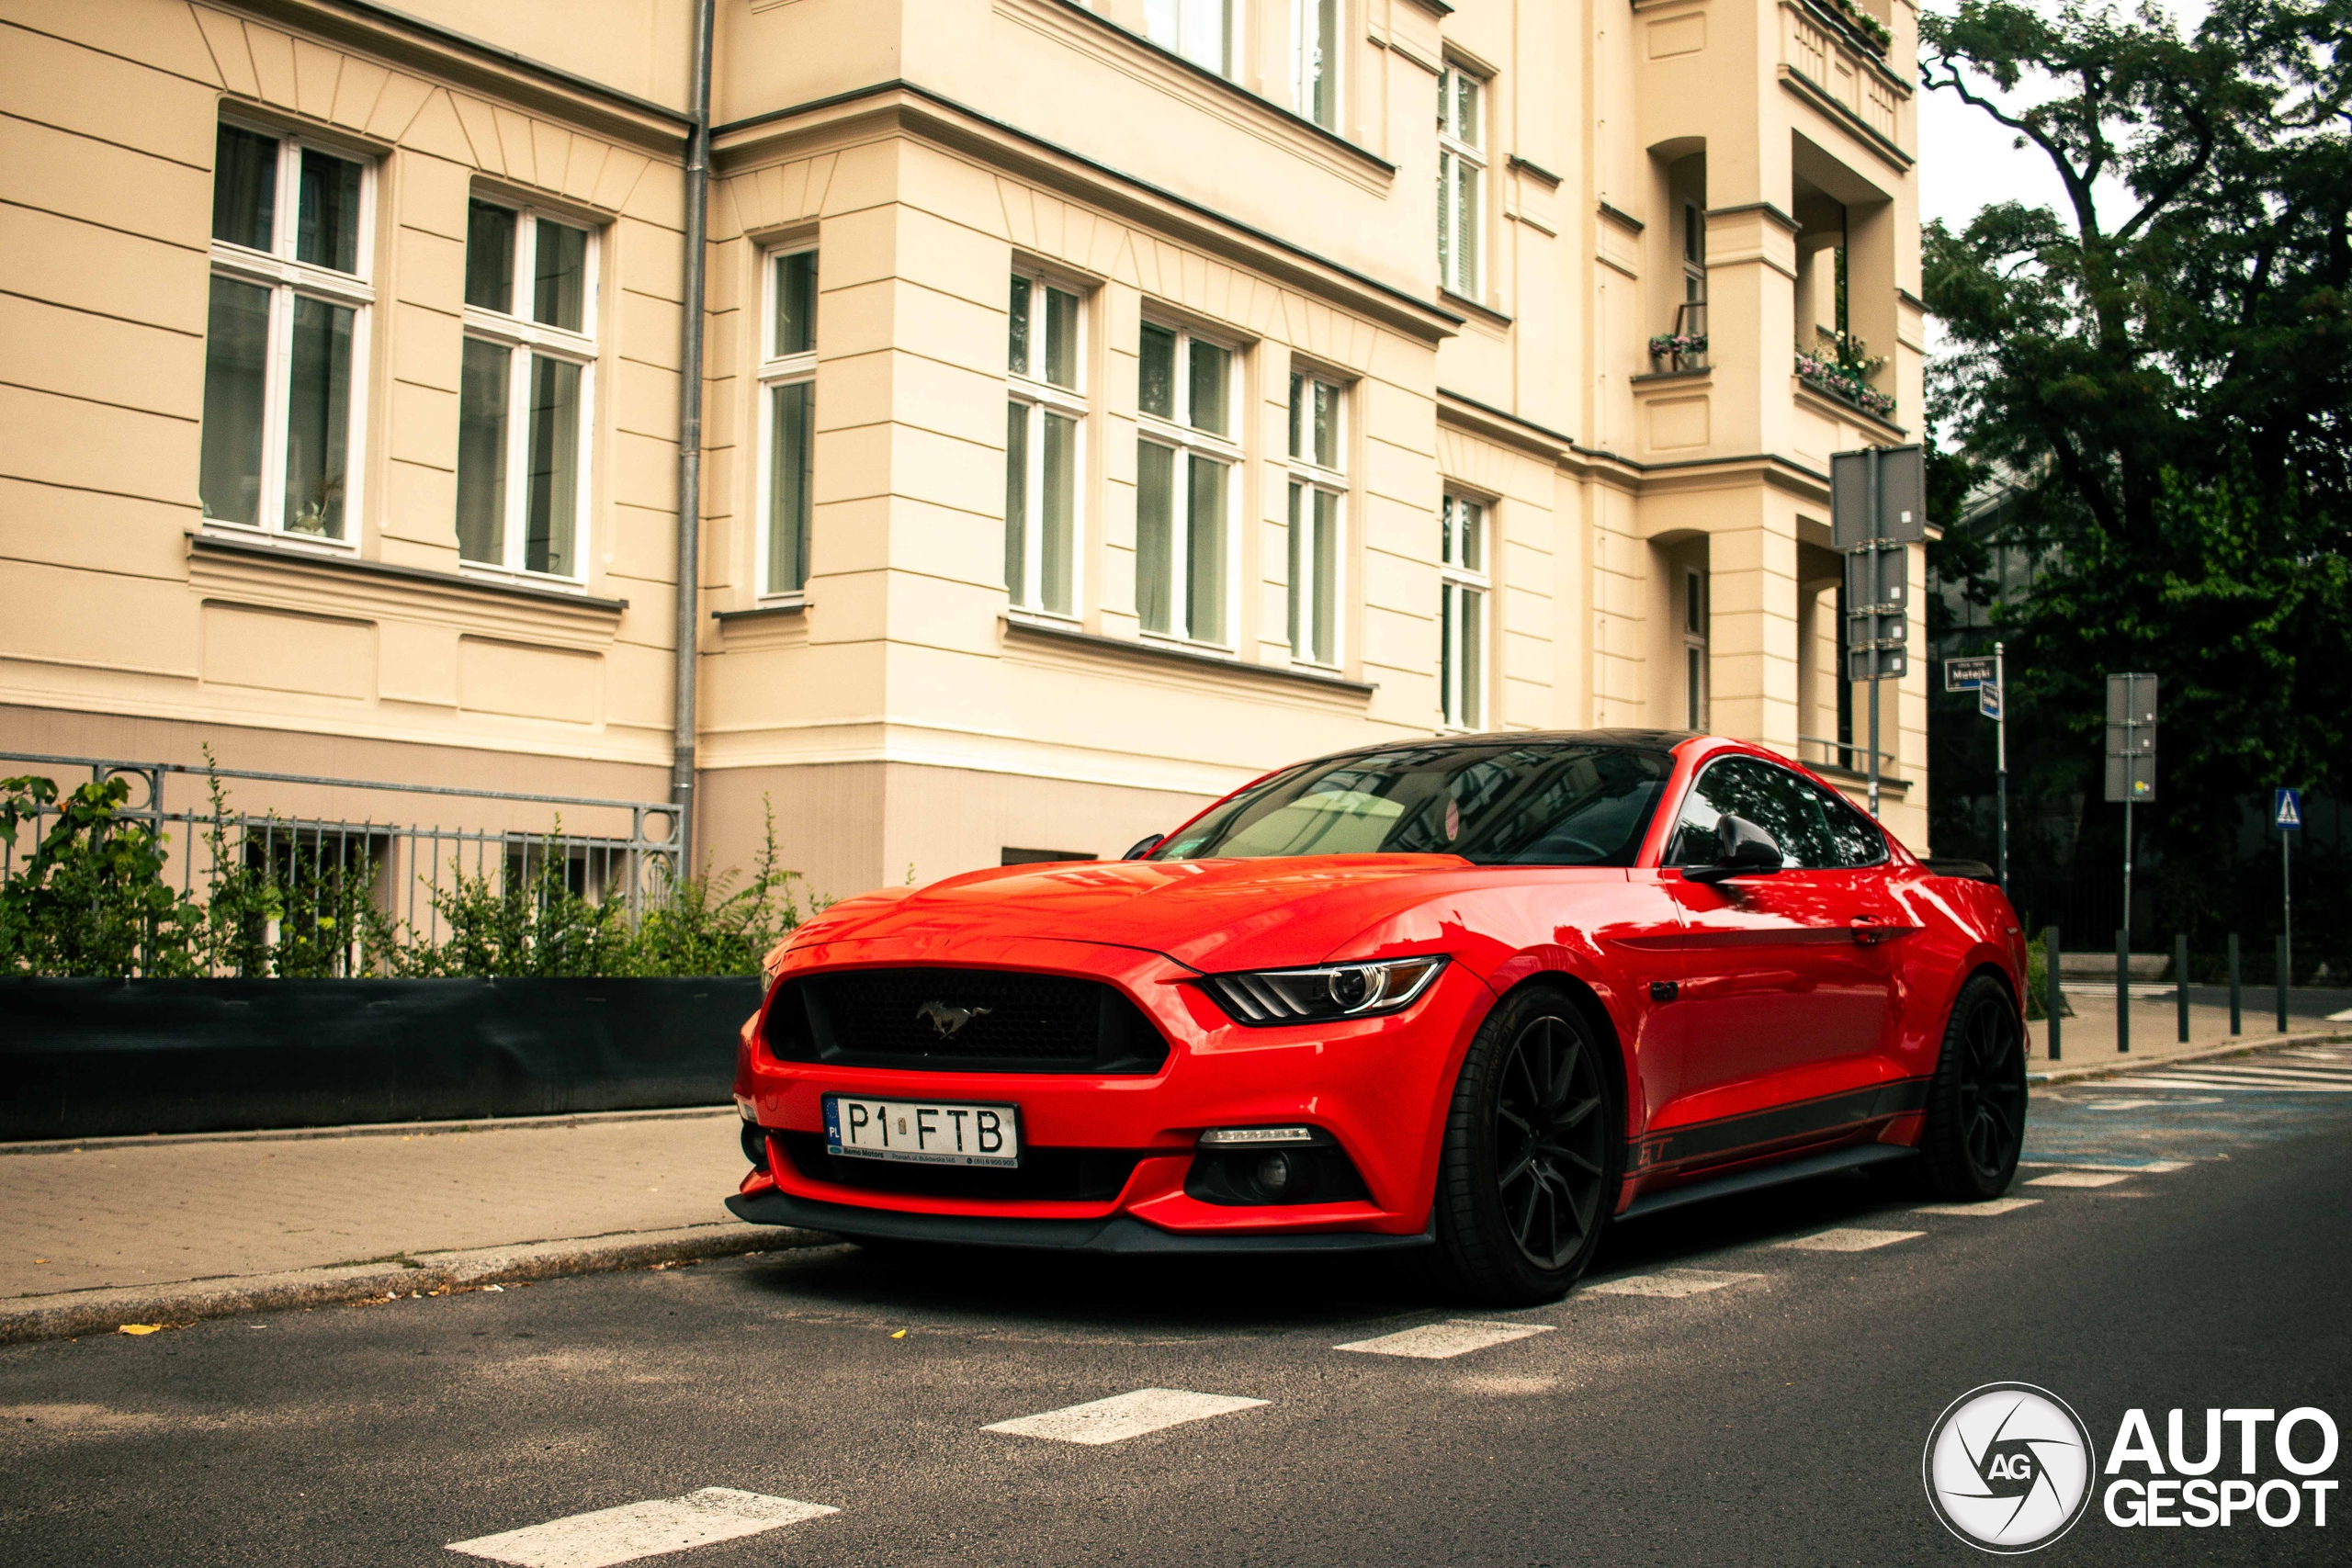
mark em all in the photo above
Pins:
pixel 1742 850
pixel 1144 846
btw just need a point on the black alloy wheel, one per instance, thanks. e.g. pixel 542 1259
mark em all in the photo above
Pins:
pixel 1549 1157
pixel 1976 1102
pixel 1533 1156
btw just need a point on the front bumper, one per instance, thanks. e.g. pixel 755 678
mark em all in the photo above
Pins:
pixel 1119 1234
pixel 1379 1087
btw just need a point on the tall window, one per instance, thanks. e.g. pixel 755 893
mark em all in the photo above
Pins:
pixel 285 332
pixel 1694 649
pixel 1316 488
pixel 1461 619
pixel 1043 422
pixel 1461 173
pixel 1200 30
pixel 1315 60
pixel 1185 463
pixel 1694 262
pixel 787 421
pixel 523 388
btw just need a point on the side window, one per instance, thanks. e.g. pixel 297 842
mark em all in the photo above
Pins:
pixel 1773 799
pixel 1854 838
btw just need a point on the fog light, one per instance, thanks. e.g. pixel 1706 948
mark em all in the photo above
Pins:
pixel 756 1146
pixel 1245 1137
pixel 1273 1175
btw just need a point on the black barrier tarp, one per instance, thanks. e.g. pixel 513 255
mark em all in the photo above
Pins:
pixel 91 1058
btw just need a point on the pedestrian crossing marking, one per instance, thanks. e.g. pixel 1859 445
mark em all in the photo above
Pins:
pixel 1672 1283
pixel 1986 1211
pixel 1849 1238
pixel 1123 1416
pixel 633 1530
pixel 2081 1178
pixel 1443 1341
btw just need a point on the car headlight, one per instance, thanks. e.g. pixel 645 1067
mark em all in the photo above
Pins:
pixel 1265 998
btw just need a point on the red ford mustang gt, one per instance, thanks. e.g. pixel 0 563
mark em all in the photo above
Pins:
pixel 1476 995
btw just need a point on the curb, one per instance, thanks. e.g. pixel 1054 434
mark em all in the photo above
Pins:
pixel 72 1314
pixel 556 1121
pixel 2117 1066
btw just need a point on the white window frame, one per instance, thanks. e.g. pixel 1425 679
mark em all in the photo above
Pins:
pixel 1461 166
pixel 1304 16
pixel 519 332
pixel 1694 254
pixel 1460 581
pixel 778 371
pixel 278 270
pixel 1696 627
pixel 1164 24
pixel 1188 443
pixel 1036 396
pixel 1306 477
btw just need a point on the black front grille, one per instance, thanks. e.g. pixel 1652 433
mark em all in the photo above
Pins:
pixel 1067 1176
pixel 1004 1021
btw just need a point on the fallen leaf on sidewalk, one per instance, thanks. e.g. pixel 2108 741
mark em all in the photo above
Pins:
pixel 139 1329
pixel 900 1335
pixel 40 1260
pixel 501 1289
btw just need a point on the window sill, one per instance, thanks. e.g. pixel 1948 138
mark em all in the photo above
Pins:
pixel 1167 652
pixel 1484 312
pixel 291 543
pixel 777 610
pixel 1648 378
pixel 353 566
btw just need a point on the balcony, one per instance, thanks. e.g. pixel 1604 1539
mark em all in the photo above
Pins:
pixel 1685 347
pixel 1827 56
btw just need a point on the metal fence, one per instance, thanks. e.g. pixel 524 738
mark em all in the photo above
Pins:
pixel 316 833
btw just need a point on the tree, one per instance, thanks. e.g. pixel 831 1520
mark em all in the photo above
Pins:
pixel 2162 382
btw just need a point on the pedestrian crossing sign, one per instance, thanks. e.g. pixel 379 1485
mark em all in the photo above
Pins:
pixel 2287 810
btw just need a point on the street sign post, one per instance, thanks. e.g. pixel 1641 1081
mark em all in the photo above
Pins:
pixel 1982 675
pixel 1878 509
pixel 2287 815
pixel 2131 757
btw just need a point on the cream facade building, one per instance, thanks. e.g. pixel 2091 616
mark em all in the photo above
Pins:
pixel 1102 403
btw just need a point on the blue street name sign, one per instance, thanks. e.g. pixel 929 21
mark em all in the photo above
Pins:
pixel 1988 701
pixel 2287 810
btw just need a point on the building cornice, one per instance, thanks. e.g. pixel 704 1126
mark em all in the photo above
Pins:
pixel 295 562
pixel 499 72
pixel 1568 452
pixel 912 109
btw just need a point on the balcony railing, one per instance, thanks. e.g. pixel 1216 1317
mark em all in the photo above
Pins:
pixel 1684 348
pixel 1832 62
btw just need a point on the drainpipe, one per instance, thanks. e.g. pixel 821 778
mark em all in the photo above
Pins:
pixel 689 629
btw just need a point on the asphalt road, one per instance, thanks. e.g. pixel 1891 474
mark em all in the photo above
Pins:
pixel 1777 1418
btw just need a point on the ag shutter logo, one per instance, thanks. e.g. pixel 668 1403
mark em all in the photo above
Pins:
pixel 2008 1468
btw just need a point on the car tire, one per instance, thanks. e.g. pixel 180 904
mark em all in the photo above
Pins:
pixel 1529 1172
pixel 1976 1101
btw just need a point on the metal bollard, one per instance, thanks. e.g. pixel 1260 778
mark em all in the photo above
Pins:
pixel 2279 959
pixel 2237 992
pixel 2054 1000
pixel 2180 981
pixel 2123 993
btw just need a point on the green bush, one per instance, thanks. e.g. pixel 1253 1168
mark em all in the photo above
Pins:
pixel 92 899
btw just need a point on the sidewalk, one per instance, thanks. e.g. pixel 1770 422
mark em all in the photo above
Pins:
pixel 2086 1041
pixel 96 1234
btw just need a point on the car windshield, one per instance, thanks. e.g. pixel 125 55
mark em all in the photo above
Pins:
pixel 1528 803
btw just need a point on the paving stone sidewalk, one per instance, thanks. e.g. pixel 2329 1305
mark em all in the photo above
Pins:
pixel 196 1226
pixel 2088 1039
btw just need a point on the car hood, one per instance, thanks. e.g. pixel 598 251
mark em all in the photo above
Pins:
pixel 1209 914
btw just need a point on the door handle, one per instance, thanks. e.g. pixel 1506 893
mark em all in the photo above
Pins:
pixel 1869 930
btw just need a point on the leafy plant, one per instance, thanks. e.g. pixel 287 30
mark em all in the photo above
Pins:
pixel 91 898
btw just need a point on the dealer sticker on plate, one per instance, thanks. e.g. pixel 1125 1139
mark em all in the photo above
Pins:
pixel 923 1132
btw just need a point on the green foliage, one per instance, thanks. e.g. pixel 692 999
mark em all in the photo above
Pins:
pixel 92 899
pixel 2160 385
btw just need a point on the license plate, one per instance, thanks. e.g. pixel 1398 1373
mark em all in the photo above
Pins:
pixel 923 1132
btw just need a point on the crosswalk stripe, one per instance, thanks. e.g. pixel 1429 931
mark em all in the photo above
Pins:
pixel 2300 1075
pixel 641 1529
pixel 2242 1085
pixel 1124 1416
pixel 1849 1238
pixel 2081 1178
pixel 1672 1282
pixel 1993 1209
pixel 1443 1341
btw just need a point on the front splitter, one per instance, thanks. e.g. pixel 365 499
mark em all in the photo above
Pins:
pixel 1118 1234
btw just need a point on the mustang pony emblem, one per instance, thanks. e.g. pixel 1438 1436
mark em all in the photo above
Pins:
pixel 947 1022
